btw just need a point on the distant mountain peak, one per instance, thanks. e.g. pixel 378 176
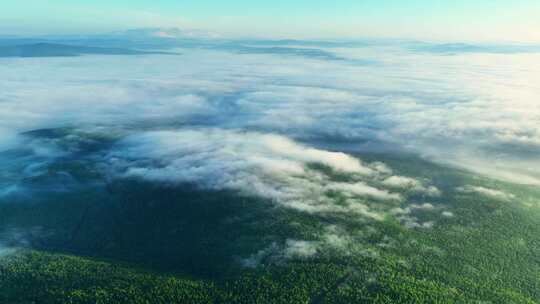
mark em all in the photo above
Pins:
pixel 170 33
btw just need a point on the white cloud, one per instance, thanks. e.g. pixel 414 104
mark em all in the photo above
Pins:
pixel 447 214
pixel 300 249
pixel 414 223
pixel 493 193
pixel 406 216
pixel 410 183
pixel 475 111
pixel 401 182
pixel 256 259
pixel 336 160
pixel 264 165
pixel 361 189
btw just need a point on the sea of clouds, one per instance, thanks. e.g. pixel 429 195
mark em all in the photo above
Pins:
pixel 263 124
pixel 477 111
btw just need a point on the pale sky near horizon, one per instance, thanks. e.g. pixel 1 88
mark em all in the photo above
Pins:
pixel 478 20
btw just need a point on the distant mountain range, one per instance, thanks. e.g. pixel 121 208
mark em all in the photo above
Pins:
pixel 460 48
pixel 160 40
pixel 171 33
pixel 42 49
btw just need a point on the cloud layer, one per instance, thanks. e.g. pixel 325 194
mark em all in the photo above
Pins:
pixel 475 111
pixel 263 165
pixel 287 129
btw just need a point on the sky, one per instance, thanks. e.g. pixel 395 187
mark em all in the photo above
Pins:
pixel 480 20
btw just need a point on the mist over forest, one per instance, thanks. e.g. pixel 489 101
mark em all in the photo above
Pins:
pixel 191 168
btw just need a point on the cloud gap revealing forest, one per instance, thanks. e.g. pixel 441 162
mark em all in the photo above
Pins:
pixel 161 165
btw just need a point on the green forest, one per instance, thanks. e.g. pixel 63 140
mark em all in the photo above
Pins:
pixel 134 241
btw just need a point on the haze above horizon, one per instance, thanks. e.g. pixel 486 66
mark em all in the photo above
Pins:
pixel 482 20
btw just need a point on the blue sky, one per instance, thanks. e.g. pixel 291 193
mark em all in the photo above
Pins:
pixel 426 19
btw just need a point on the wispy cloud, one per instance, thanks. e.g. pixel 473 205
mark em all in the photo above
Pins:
pixel 264 165
pixel 492 193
